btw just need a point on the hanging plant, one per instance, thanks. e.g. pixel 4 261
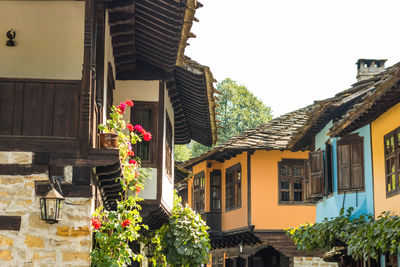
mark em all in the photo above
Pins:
pixel 115 229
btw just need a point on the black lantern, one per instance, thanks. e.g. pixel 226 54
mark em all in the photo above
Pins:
pixel 50 206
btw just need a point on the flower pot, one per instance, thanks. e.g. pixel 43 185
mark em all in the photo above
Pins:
pixel 108 140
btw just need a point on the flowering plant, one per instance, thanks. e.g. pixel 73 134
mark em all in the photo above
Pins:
pixel 114 229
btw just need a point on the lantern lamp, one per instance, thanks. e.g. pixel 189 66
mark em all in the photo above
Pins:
pixel 240 247
pixel 50 206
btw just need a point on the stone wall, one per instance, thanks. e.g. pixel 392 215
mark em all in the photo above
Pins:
pixel 312 262
pixel 37 243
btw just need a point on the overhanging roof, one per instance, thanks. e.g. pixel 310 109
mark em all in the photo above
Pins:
pixel 385 95
pixel 334 108
pixel 273 135
pixel 151 36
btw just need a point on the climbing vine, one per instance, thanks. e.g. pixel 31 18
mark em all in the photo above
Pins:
pixel 363 236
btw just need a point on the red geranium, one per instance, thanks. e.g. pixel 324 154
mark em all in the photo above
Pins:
pixel 130 127
pixel 146 136
pixel 125 223
pixel 132 161
pixel 96 223
pixel 129 103
pixel 131 153
pixel 121 108
pixel 138 128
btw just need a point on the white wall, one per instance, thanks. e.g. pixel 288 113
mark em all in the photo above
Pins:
pixel 168 183
pixel 49 39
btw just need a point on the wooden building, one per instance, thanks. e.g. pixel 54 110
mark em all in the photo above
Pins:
pixel 62 65
pixel 249 189
pixel 347 136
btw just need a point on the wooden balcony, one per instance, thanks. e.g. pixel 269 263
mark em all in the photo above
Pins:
pixel 39 114
pixel 213 220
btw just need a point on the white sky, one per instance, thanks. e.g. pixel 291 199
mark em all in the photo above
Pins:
pixel 292 52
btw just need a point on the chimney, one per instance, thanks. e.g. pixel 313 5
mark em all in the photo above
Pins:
pixel 366 68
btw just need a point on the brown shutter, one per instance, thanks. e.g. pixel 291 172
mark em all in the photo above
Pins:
pixel 307 184
pixel 357 172
pixel 316 173
pixel 344 171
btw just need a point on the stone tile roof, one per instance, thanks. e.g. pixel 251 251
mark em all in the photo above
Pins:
pixel 273 135
pixel 386 93
pixel 334 108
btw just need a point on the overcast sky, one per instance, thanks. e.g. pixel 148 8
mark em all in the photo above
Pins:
pixel 291 52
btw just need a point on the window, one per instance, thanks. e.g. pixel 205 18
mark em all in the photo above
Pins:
pixel 215 190
pixel 168 147
pixel 198 192
pixel 351 163
pixel 233 187
pixel 145 114
pixel 328 169
pixel 217 260
pixel 291 180
pixel 392 162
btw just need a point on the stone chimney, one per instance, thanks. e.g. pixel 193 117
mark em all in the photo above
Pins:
pixel 366 68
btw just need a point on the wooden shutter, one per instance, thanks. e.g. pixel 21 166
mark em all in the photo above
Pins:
pixel 344 171
pixel 307 183
pixel 357 172
pixel 316 159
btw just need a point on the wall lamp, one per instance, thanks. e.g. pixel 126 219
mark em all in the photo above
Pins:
pixel 50 205
pixel 11 35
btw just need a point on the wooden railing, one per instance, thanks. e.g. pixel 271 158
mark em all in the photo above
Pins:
pixel 39 108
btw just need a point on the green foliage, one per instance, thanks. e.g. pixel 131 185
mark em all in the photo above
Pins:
pixel 363 236
pixel 376 237
pixel 181 153
pixel 184 241
pixel 112 238
pixel 239 109
pixel 197 149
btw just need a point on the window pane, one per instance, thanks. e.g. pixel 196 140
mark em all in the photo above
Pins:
pixel 389 144
pixel 284 170
pixel 284 184
pixel 298 196
pixel 390 165
pixel 284 196
pixel 297 184
pixel 297 171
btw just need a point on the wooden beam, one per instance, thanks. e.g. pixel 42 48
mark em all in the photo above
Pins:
pixel 12 223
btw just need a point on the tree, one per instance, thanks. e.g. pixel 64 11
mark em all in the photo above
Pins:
pixel 182 153
pixel 239 111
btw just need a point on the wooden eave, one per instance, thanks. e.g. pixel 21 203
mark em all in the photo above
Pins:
pixel 374 104
pixel 334 108
pixel 192 96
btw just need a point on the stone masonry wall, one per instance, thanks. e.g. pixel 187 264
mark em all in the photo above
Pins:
pixel 312 262
pixel 37 243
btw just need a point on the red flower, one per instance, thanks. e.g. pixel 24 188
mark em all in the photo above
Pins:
pixel 138 189
pixel 96 223
pixel 121 108
pixel 125 223
pixel 138 128
pixel 131 153
pixel 132 161
pixel 130 127
pixel 129 103
pixel 146 136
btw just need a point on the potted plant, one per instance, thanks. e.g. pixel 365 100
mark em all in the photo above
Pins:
pixel 114 126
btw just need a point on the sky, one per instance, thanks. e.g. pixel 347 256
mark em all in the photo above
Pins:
pixel 290 53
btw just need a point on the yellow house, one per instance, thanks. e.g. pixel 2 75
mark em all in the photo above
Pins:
pixel 249 189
